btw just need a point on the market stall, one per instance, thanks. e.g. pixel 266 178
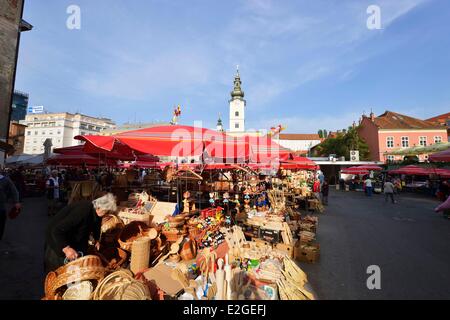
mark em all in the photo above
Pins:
pixel 149 253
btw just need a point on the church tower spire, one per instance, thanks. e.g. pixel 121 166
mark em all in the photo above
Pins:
pixel 237 105
pixel 237 92
pixel 219 126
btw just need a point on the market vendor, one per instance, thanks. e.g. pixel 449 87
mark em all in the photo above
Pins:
pixel 68 232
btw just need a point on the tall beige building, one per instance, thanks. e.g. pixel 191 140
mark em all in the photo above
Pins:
pixel 61 128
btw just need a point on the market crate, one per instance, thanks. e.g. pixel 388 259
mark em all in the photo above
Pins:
pixel 128 217
pixel 269 235
pixel 307 253
pixel 285 248
pixel 261 242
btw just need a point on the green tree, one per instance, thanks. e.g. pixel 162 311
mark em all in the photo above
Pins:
pixel 343 143
pixel 320 132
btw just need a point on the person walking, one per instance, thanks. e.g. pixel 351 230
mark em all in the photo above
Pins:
pixel 68 232
pixel 316 189
pixel 325 191
pixel 53 195
pixel 389 190
pixel 7 190
pixel 368 184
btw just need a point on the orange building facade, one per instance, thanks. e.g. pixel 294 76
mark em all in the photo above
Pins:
pixel 392 131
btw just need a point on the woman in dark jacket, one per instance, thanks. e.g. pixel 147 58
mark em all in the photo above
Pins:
pixel 325 191
pixel 69 230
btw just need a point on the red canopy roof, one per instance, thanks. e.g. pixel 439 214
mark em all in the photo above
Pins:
pixel 186 141
pixel 355 170
pixel 97 153
pixel 77 160
pixel 363 169
pixel 299 163
pixel 443 173
pixel 371 167
pixel 411 170
pixel 443 156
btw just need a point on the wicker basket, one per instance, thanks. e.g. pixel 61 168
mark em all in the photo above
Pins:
pixel 86 268
pixel 194 232
pixel 173 235
pixel 178 218
pixel 131 232
pixel 140 255
pixel 79 291
pixel 121 285
pixel 176 224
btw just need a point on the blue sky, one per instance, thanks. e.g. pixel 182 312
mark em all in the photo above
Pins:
pixel 304 64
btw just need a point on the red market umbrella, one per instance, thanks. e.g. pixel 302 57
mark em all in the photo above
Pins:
pixel 299 163
pixel 411 170
pixel 443 156
pixel 355 171
pixel 265 150
pixel 443 173
pixel 370 167
pixel 98 153
pixel 77 160
pixel 173 140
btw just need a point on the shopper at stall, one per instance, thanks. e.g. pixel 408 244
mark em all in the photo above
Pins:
pixel 53 192
pixel 389 190
pixel 7 190
pixel 368 185
pixel 325 191
pixel 68 232
pixel 443 191
pixel 316 188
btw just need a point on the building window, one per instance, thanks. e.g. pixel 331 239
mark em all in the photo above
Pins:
pixel 28 133
pixel 236 113
pixel 437 139
pixel 423 141
pixel 405 142
pixel 36 133
pixel 390 158
pixel 50 132
pixel 43 133
pixel 59 131
pixel 83 133
pixel 236 125
pixel 390 142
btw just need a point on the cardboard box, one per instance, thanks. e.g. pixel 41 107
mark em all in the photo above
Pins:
pixel 307 253
pixel 285 248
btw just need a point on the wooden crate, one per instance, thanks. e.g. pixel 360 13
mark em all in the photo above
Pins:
pixel 261 242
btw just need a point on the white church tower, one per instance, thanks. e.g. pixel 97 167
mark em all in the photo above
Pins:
pixel 237 106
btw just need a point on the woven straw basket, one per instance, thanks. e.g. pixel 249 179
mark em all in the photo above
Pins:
pixel 131 232
pixel 86 268
pixel 121 285
pixel 79 291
